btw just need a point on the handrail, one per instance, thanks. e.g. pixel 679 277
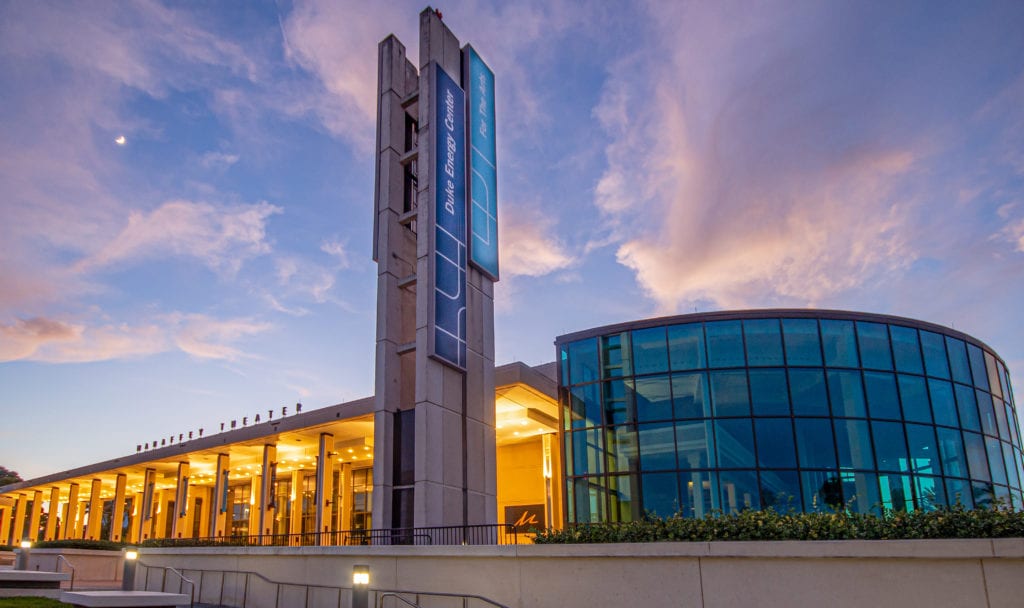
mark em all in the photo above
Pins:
pixel 163 580
pixel 472 534
pixel 61 558
pixel 464 596
pixel 380 600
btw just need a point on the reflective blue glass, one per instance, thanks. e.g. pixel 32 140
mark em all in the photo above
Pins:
pixel 967 407
pixel 775 446
pixel 739 491
pixel 977 460
pixel 906 349
pixel 661 494
pixel 734 438
pixel 984 494
pixel 935 361
pixel 653 398
pixel 823 491
pixel 1005 386
pixel 847 393
pixel 686 346
pixel 874 345
pixel 624 498
pixel 621 448
pixel 591 499
pixel 690 395
pixel 977 359
pixel 890 446
pixel 650 351
pixel 914 396
pixel 995 460
pixel 995 386
pixel 699 493
pixel 616 356
pixel 951 450
pixel 815 446
pixel 725 344
pixel 881 393
pixel 1001 423
pixel 924 452
pixel 807 388
pixel 1010 465
pixel 618 403
pixel 839 342
pixel 769 394
pixel 583 366
pixel 853 443
pixel 588 452
pixel 860 492
pixel 696 444
pixel 958 491
pixel 729 393
pixel 943 404
pixel 780 491
pixel 896 492
pixel 803 347
pixel 929 492
pixel 988 417
pixel 657 446
pixel 586 405
pixel 958 364
pixel 764 342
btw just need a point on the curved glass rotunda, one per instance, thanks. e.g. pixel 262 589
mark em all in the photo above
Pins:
pixel 812 410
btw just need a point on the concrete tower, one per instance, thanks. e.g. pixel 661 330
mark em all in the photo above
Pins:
pixel 435 244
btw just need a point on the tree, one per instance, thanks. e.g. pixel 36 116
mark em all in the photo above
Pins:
pixel 8 476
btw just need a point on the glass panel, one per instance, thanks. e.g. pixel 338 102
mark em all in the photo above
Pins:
pixel 807 387
pixel 657 446
pixel 943 404
pixel 734 439
pixel 802 344
pixel 739 491
pixel 959 491
pixel 591 500
pixel 860 492
pixel 699 495
pixel 951 451
pixel 586 405
pixel 874 345
pixel 906 350
pixel 935 361
pixel 839 342
pixel 621 446
pixel 958 364
pixel 775 447
pixel 984 494
pixel 1010 465
pixel 764 342
pixel 814 442
pixel 890 446
pixel 823 491
pixel 618 402
pixel 780 491
pixel 729 393
pixel 769 394
pixel 615 356
pixel 1014 427
pixel 725 344
pixel 993 375
pixel 690 396
pixel 853 442
pixel 924 453
pixel 881 393
pixel 977 359
pixel 967 407
pixel 653 398
pixel 588 452
pixel 650 351
pixel 570 500
pixel 976 458
pixel 661 494
pixel 896 492
pixel 1001 422
pixel 929 492
pixel 695 444
pixel 623 492
pixel 1004 385
pixel 686 346
pixel 583 365
pixel 995 460
pixel 988 417
pixel 915 398
pixel 847 393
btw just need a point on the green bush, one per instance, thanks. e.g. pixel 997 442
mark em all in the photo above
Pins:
pixel 954 522
pixel 102 545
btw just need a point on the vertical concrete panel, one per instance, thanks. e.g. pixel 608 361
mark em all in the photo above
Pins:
pixel 34 513
pixel 71 517
pixel 117 515
pixel 53 515
pixel 1004 584
pixel 20 513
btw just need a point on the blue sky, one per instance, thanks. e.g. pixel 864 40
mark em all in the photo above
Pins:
pixel 654 158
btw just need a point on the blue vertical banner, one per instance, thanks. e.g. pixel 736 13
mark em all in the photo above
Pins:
pixel 478 79
pixel 450 253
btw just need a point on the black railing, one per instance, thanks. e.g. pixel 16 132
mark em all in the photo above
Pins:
pixel 487 534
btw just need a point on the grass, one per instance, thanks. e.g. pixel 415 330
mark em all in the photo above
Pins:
pixel 30 602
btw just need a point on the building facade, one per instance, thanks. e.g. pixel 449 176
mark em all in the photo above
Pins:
pixel 785 409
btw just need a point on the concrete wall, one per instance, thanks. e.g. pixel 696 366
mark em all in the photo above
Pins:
pixel 93 568
pixel 931 573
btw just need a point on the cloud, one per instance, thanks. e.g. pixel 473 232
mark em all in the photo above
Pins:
pixel 208 338
pixel 337 250
pixel 528 245
pixel 215 160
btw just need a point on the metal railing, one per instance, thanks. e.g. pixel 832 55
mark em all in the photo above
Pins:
pixel 486 534
pixel 61 558
pixel 182 580
pixel 415 603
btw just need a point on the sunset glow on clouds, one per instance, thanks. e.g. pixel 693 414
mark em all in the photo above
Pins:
pixel 655 158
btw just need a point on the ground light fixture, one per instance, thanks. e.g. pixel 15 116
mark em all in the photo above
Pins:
pixel 21 561
pixel 131 560
pixel 360 586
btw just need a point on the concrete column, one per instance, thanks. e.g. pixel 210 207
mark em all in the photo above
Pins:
pixel 20 512
pixel 53 514
pixel 148 509
pixel 5 526
pixel 255 483
pixel 135 519
pixel 80 519
pixel 180 517
pixel 94 525
pixel 160 513
pixel 346 496
pixel 204 511
pixel 33 515
pixel 324 484
pixel 295 523
pixel 117 514
pixel 221 513
pixel 266 500
pixel 71 516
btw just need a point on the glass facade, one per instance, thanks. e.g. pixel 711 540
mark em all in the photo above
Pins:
pixel 803 410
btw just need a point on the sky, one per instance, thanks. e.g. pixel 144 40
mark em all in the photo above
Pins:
pixel 186 188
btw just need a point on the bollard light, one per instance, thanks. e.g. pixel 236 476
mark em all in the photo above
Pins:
pixel 131 559
pixel 360 586
pixel 21 559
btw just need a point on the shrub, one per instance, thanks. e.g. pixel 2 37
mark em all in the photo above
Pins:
pixel 102 545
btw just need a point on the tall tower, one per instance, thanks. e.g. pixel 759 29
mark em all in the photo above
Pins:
pixel 435 244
